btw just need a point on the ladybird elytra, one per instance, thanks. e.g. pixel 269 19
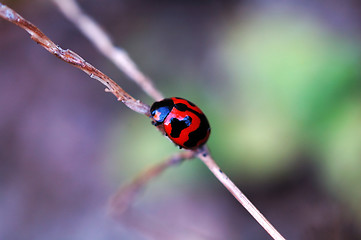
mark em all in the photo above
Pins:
pixel 184 123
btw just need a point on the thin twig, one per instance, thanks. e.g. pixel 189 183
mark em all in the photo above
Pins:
pixel 123 198
pixel 234 190
pixel 74 59
pixel 102 41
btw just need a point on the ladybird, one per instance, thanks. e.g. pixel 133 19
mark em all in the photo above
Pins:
pixel 183 122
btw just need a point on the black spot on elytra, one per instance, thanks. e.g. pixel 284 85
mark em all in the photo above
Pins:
pixel 192 104
pixel 198 134
pixel 181 107
pixel 179 125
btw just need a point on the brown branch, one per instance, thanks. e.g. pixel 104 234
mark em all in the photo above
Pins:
pixel 102 41
pixel 122 200
pixel 74 59
pixel 126 194
pixel 234 190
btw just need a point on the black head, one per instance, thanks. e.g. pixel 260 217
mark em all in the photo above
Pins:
pixel 160 110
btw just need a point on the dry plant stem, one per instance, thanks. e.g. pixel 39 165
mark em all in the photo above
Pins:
pixel 232 188
pixel 122 200
pixel 102 41
pixel 74 59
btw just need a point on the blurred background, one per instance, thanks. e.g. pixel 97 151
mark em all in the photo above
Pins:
pixel 278 80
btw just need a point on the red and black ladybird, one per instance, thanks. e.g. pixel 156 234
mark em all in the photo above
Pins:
pixel 184 123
